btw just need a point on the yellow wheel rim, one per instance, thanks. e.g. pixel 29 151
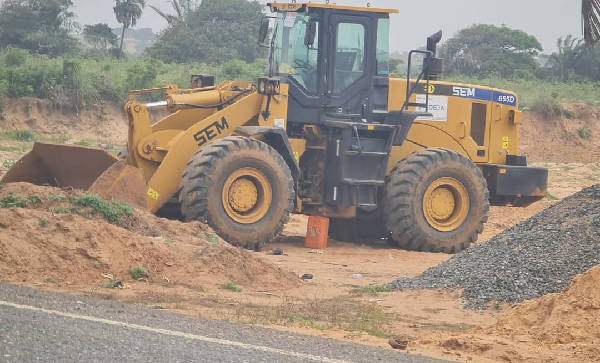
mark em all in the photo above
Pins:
pixel 247 195
pixel 446 204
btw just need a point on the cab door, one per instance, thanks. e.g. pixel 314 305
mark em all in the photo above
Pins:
pixel 351 71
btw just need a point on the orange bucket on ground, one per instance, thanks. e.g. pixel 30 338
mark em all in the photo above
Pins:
pixel 316 233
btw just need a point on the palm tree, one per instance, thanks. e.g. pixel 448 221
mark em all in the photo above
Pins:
pixel 128 12
pixel 590 12
pixel 565 61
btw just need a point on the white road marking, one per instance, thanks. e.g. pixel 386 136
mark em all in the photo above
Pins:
pixel 177 334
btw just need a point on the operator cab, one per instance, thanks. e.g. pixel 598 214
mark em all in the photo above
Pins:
pixel 335 60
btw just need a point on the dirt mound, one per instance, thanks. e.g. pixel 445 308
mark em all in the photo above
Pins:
pixel 63 201
pixel 572 316
pixel 104 121
pixel 53 238
pixel 557 139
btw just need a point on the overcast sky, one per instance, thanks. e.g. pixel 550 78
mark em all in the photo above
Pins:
pixel 546 19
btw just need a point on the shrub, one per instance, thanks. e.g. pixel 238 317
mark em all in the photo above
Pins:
pixel 112 210
pixel 585 132
pixel 138 273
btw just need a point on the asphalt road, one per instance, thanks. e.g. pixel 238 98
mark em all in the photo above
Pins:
pixel 37 326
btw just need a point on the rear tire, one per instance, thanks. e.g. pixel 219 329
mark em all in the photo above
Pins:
pixel 240 187
pixel 436 201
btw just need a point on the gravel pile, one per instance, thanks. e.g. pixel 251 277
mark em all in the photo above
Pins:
pixel 536 257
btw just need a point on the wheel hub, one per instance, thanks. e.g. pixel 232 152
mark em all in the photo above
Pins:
pixel 247 195
pixel 243 195
pixel 442 203
pixel 446 204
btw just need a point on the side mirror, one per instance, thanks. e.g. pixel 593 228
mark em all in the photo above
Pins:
pixel 311 33
pixel 263 31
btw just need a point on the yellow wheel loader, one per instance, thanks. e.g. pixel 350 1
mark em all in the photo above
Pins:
pixel 326 132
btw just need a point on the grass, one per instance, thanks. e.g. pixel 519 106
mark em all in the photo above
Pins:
pixel 13 201
pixel 168 240
pixel 48 280
pixel 43 222
pixel 84 143
pixel 138 273
pixel 113 211
pixel 231 286
pixel 7 164
pixel 14 149
pixel 343 313
pixel 551 197
pixel 211 238
pixel 370 289
pixel 57 198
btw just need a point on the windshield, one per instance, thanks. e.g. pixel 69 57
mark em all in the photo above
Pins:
pixel 289 56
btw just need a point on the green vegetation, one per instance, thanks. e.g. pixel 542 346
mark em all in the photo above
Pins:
pixel 211 31
pixel 48 280
pixel 485 50
pixel 168 240
pixel 535 93
pixel 211 238
pixel 128 13
pixel 112 210
pixel 43 222
pixel 83 143
pixel 344 313
pixel 56 198
pixel 585 132
pixel 551 197
pixel 138 273
pixel 20 135
pixel 370 289
pixel 76 83
pixel 111 284
pixel 231 286
pixel 7 164
pixel 13 201
pixel 40 57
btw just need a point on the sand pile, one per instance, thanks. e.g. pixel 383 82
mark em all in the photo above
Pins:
pixel 556 328
pixel 54 239
pixel 572 316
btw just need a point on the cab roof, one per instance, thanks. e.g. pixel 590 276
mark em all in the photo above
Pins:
pixel 275 7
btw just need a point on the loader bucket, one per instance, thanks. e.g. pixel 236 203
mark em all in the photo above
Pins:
pixel 78 167
pixel 62 166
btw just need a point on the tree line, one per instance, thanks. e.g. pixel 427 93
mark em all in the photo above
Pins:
pixel 214 32
pixel 209 31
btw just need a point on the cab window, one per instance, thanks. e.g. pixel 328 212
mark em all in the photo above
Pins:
pixel 349 56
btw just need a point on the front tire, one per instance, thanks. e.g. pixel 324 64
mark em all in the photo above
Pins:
pixel 240 187
pixel 436 201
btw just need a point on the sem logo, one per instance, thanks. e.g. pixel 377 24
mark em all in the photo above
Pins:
pixel 210 132
pixel 430 89
pixel 463 92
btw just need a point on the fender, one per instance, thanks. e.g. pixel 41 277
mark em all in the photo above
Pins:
pixel 420 137
pixel 278 139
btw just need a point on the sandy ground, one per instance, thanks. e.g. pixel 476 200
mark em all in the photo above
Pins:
pixel 195 275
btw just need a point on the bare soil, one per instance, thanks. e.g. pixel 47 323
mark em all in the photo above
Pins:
pixel 557 139
pixel 104 122
pixel 195 272
pixel 563 327
pixel 40 245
